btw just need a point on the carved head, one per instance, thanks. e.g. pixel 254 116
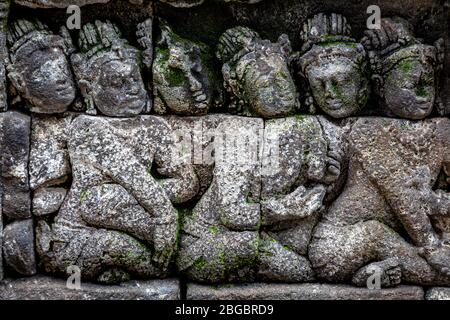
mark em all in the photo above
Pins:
pixel 404 69
pixel 108 71
pixel 183 78
pixel 334 66
pixel 39 68
pixel 257 73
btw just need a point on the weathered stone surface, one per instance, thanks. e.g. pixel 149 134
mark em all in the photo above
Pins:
pixel 110 79
pixel 270 236
pixel 39 69
pixel 48 200
pixel 193 3
pixel 438 293
pixel 220 240
pixel 15 148
pixel 299 150
pixel 334 66
pixel 184 81
pixel 46 288
pixel 117 214
pixel 195 140
pixel 385 218
pixel 257 74
pixel 260 291
pixel 407 72
pixel 49 157
pixel 1 239
pixel 19 247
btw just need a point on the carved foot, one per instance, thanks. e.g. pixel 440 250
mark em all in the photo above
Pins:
pixel 438 257
pixel 113 276
pixel 389 270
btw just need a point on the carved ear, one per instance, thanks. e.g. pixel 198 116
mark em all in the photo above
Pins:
pixel 17 80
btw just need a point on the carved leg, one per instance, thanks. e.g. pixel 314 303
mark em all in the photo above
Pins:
pixel 110 206
pixel 337 253
pixel 95 252
pixel 219 256
pixel 279 263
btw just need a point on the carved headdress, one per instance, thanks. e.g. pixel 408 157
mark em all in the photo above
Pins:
pixel 99 43
pixel 326 36
pixel 26 36
pixel 395 42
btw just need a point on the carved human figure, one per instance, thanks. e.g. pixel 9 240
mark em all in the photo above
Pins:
pixel 334 66
pixel 108 73
pixel 183 79
pixel 383 220
pixel 117 220
pixel 257 73
pixel 39 68
pixel 255 220
pixel 303 169
pixel 405 71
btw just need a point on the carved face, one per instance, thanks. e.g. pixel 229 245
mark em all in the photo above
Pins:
pixel 338 86
pixel 119 89
pixel 45 79
pixel 183 80
pixel 409 90
pixel 266 84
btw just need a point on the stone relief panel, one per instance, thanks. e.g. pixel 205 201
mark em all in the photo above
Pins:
pixel 235 156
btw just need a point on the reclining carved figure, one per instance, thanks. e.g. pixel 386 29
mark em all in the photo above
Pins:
pixel 384 217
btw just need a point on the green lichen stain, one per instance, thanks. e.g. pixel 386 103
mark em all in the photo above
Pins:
pixel 405 66
pixel 200 263
pixel 213 229
pixel 83 195
pixel 421 91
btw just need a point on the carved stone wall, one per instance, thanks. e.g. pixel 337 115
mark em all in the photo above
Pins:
pixel 220 142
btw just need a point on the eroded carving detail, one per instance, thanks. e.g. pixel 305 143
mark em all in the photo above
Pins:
pixel 383 218
pixel 39 68
pixel 118 220
pixel 405 71
pixel 334 65
pixel 257 74
pixel 183 79
pixel 108 73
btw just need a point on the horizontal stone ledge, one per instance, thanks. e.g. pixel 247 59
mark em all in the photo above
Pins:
pixel 47 288
pixel 438 293
pixel 305 291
